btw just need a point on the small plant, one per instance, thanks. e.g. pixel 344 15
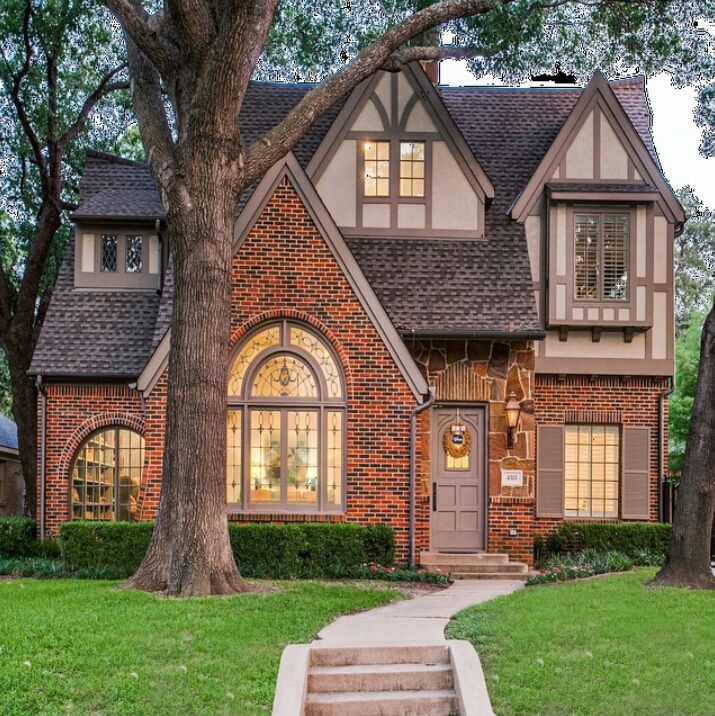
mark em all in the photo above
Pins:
pixel 399 574
pixel 586 563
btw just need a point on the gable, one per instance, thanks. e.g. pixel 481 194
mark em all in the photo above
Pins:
pixel 345 286
pixel 394 109
pixel 598 144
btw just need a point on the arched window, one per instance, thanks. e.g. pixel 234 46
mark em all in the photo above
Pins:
pixel 286 422
pixel 106 475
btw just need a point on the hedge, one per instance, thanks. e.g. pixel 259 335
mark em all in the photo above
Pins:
pixel 261 550
pixel 17 537
pixel 633 539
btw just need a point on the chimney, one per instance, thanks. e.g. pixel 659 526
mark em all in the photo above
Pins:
pixel 431 68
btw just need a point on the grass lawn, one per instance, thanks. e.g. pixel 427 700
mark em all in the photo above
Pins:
pixel 76 647
pixel 601 646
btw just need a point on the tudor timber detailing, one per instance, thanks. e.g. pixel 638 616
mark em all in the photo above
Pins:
pixel 443 247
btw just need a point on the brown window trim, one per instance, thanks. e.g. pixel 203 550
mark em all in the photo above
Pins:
pixel 322 405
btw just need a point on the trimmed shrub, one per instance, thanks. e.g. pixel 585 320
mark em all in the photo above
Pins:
pixel 261 550
pixel 637 540
pixel 17 537
pixel 115 546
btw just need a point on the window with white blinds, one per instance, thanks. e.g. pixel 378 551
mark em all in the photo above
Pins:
pixel 601 257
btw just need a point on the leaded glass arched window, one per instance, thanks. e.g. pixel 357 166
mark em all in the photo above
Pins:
pixel 106 475
pixel 286 422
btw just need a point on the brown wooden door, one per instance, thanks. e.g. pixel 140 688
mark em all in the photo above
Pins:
pixel 458 484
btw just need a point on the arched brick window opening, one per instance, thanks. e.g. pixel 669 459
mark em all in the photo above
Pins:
pixel 106 475
pixel 285 422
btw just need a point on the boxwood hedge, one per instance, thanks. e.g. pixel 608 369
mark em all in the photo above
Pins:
pixel 261 550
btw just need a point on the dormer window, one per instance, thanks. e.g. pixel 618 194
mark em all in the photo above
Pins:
pixel 412 169
pixel 134 254
pixel 109 253
pixel 377 168
pixel 601 257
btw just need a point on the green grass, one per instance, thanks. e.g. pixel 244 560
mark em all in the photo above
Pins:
pixel 72 647
pixel 602 646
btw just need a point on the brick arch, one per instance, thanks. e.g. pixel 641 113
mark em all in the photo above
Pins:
pixel 92 425
pixel 318 326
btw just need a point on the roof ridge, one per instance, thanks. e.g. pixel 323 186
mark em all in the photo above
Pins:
pixel 114 158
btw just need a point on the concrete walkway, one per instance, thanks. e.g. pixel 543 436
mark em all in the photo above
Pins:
pixel 421 620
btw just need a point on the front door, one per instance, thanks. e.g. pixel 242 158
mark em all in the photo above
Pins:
pixel 458 479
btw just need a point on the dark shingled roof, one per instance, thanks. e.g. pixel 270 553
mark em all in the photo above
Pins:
pixel 94 333
pixel 425 285
pixel 635 188
pixel 8 433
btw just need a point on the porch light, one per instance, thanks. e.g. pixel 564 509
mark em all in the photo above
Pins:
pixel 513 411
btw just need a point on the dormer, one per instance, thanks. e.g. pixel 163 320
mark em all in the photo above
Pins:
pixel 117 257
pixel 394 163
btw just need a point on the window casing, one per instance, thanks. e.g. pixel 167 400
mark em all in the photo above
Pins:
pixel 376 182
pixel 412 169
pixel 601 256
pixel 106 475
pixel 285 423
pixel 592 467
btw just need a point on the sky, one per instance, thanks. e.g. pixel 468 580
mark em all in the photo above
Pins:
pixel 676 135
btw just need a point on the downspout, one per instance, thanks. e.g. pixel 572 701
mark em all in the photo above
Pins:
pixel 413 469
pixel 661 450
pixel 43 436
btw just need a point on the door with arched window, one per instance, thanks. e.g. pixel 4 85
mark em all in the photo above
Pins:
pixel 286 422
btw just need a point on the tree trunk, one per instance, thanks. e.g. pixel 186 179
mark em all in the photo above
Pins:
pixel 24 410
pixel 190 552
pixel 688 560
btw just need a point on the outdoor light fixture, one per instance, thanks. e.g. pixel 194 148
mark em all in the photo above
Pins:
pixel 513 411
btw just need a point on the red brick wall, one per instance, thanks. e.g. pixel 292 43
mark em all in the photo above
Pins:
pixel 283 269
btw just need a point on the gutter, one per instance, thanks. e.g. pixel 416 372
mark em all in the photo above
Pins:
pixel 413 469
pixel 661 450
pixel 43 440
pixel 530 335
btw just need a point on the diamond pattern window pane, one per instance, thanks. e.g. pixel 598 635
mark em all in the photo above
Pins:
pixel 334 472
pixel 233 458
pixel 109 253
pixel 302 456
pixel 134 254
pixel 265 455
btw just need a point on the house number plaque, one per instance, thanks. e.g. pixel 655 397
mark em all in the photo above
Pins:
pixel 512 478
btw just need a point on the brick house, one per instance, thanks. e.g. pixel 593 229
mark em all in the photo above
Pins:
pixel 428 264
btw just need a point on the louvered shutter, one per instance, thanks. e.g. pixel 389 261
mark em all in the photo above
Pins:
pixel 636 473
pixel 550 471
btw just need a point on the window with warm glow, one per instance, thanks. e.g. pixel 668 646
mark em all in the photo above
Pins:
pixel 285 422
pixel 412 169
pixel 377 168
pixel 591 470
pixel 601 257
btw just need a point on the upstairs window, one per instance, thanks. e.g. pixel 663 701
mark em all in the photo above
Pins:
pixel 109 253
pixel 134 254
pixel 412 169
pixel 601 257
pixel 377 168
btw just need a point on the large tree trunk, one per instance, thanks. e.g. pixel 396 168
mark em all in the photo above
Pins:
pixel 190 552
pixel 24 410
pixel 688 561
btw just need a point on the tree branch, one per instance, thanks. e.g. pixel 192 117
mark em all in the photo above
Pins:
pixel 284 136
pixel 145 31
pixel 104 87
pixel 412 54
pixel 14 91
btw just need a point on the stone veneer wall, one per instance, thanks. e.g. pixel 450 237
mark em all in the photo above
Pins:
pixel 487 371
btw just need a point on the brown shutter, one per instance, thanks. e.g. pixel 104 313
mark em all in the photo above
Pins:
pixel 636 473
pixel 550 471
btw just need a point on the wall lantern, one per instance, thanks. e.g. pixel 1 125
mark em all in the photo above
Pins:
pixel 513 411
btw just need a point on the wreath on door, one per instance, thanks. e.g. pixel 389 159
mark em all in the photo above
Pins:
pixel 457 440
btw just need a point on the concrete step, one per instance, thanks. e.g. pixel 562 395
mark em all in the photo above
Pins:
pixel 428 559
pixel 361 655
pixel 514 577
pixel 509 568
pixel 380 677
pixel 442 702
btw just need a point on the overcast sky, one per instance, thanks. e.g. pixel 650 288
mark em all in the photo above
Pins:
pixel 677 137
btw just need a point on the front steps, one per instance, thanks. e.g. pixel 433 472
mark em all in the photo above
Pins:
pixel 380 681
pixel 474 565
